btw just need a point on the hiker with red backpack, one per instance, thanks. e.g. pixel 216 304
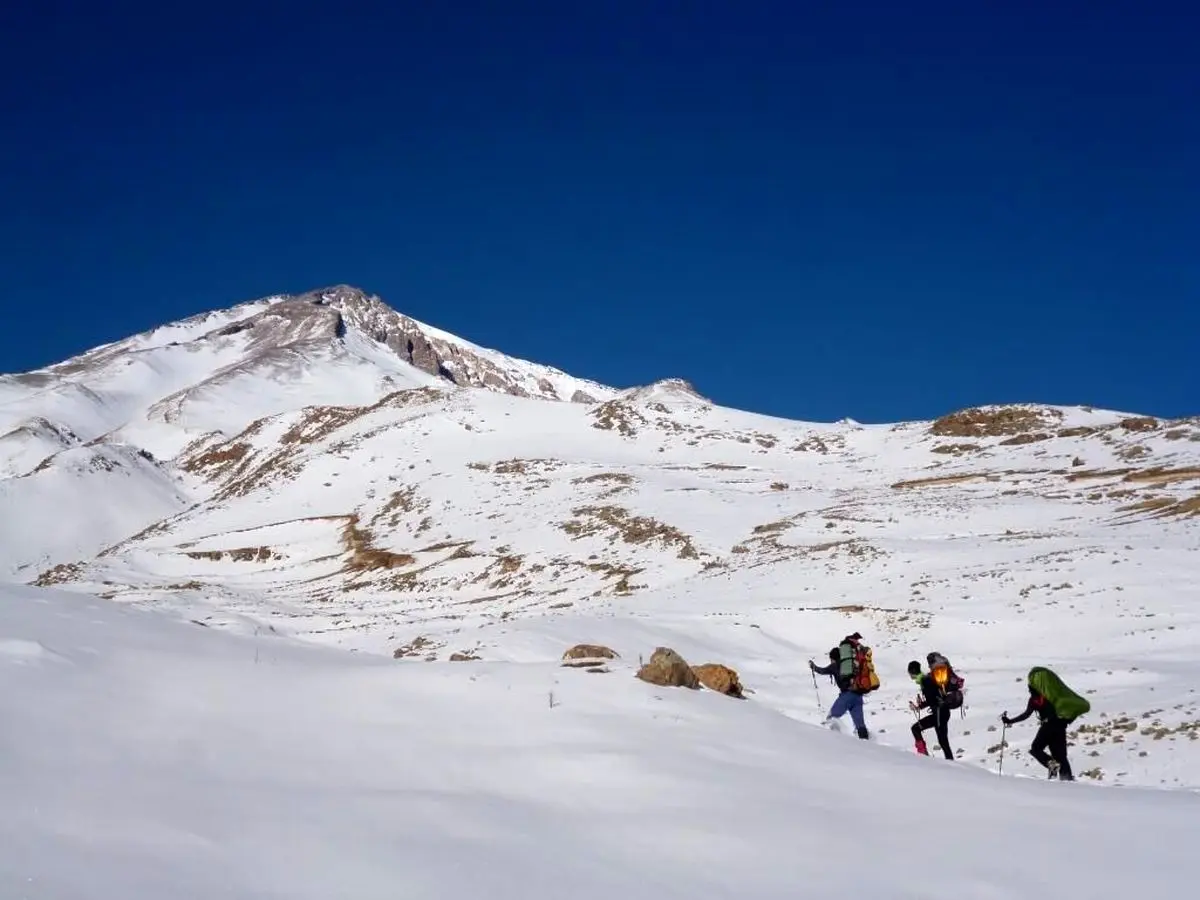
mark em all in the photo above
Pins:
pixel 1057 706
pixel 852 669
pixel 941 691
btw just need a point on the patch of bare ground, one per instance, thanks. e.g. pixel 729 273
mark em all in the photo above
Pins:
pixel 1029 437
pixel 215 462
pixel 403 502
pixel 816 444
pixel 614 415
pixel 364 556
pixel 1139 423
pixel 1181 508
pixel 501 573
pixel 940 480
pixel 420 646
pixel 239 467
pixel 60 574
pixel 238 554
pixel 591 520
pixel 523 466
pixel 1092 474
pixel 1135 451
pixel 620 478
pixel 316 423
pixel 773 527
pixel 1149 504
pixel 276 466
pixel 623 585
pixel 956 449
pixel 1157 477
pixel 1076 431
pixel 855 548
pixel 152 529
pixel 995 421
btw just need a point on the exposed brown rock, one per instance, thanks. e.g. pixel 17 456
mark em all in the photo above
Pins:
pixel 997 421
pixel 1030 437
pixel 719 678
pixel 667 668
pixel 1140 423
pixel 589 652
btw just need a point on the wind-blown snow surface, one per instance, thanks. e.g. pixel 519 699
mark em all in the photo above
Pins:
pixel 286 467
pixel 148 758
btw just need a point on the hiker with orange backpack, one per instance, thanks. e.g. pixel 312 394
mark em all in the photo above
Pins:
pixel 941 691
pixel 852 669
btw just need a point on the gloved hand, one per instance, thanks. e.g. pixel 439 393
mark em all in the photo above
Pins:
pixel 812 665
pixel 1005 719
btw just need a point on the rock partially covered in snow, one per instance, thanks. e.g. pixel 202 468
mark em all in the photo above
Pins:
pixel 667 668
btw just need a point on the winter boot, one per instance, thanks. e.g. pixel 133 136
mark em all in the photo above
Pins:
pixel 1052 767
pixel 922 749
pixel 864 734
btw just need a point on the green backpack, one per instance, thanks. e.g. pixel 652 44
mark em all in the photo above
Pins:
pixel 1066 703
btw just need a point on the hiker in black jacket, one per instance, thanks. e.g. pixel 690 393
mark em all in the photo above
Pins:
pixel 934 698
pixel 1051 735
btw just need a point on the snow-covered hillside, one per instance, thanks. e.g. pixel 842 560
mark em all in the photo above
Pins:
pixel 327 470
pixel 146 758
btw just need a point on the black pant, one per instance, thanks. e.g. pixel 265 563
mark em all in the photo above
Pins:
pixel 939 721
pixel 1052 736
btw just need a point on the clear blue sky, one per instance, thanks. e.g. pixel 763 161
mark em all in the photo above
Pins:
pixel 880 210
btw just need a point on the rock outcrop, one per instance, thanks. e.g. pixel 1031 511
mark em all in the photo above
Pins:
pixel 719 678
pixel 667 668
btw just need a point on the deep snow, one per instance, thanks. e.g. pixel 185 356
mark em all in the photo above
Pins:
pixel 150 758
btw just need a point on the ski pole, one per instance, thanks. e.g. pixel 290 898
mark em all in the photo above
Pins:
pixel 815 688
pixel 1003 733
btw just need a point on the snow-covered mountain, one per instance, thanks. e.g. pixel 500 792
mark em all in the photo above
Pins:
pixel 322 467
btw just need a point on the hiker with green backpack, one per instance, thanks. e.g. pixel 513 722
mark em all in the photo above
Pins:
pixel 1057 707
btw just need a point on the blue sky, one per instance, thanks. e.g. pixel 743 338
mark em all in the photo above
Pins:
pixel 877 210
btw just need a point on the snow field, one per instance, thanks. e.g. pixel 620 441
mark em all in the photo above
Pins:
pixel 150 758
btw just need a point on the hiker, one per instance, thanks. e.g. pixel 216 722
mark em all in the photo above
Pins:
pixel 851 668
pixel 941 692
pixel 1057 707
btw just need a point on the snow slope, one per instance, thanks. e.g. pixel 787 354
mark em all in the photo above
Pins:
pixel 149 758
pixel 294 465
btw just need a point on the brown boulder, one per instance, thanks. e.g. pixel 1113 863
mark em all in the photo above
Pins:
pixel 588 654
pixel 719 678
pixel 667 668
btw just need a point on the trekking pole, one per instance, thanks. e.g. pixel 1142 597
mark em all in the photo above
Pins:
pixel 815 688
pixel 1003 734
